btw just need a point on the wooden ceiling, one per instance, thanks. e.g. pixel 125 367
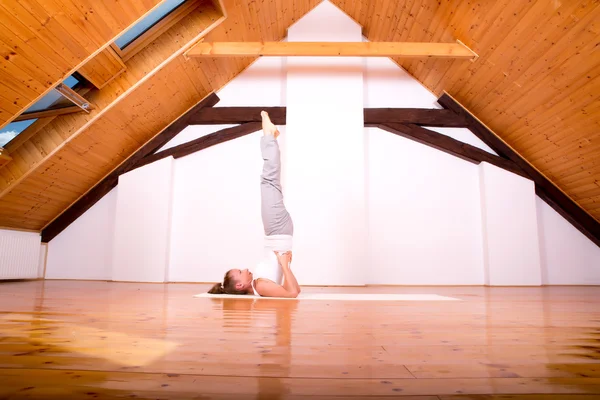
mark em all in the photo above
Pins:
pixel 535 84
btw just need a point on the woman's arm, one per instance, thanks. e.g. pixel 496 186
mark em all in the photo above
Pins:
pixel 289 280
pixel 290 286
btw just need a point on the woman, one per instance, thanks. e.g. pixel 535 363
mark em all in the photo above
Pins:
pixel 273 276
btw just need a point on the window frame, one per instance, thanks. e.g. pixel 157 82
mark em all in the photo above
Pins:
pixel 160 27
pixel 62 104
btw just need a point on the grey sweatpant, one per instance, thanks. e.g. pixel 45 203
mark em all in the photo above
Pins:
pixel 276 219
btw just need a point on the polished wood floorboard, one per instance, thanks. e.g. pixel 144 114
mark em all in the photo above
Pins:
pixel 104 340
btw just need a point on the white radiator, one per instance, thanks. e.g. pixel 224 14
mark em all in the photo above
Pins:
pixel 19 254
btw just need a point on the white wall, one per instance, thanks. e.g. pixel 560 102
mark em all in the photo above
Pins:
pixel 509 225
pixel 422 207
pixel 84 249
pixel 424 211
pixel 216 211
pixel 142 232
pixel 568 257
pixel 325 159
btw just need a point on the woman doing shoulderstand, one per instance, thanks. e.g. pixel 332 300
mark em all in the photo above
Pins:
pixel 273 276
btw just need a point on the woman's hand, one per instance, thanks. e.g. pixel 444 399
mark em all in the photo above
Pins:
pixel 284 258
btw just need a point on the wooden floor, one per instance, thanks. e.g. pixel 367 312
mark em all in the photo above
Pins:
pixel 69 339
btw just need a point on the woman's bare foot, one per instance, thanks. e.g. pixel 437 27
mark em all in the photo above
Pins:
pixel 268 127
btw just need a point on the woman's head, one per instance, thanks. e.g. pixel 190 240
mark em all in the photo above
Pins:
pixel 236 281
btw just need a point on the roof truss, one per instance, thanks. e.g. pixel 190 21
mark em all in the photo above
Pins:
pixel 404 122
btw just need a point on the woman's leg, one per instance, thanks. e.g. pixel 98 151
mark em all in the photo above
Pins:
pixel 276 219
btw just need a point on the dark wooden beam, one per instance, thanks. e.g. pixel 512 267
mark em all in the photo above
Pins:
pixel 237 115
pixel 372 116
pixel 450 146
pixel 185 149
pixel 549 192
pixel 110 181
pixel 417 116
pixel 166 135
pixel 78 208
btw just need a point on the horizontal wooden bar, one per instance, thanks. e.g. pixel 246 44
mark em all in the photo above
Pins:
pixel 418 116
pixel 52 112
pixel 237 115
pixel 328 49
pixel 372 116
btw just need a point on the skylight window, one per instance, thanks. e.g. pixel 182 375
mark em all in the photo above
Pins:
pixel 52 97
pixel 51 100
pixel 148 22
pixel 10 131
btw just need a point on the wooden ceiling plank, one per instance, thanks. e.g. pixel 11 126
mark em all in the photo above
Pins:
pixel 587 191
pixel 104 22
pixel 564 54
pixel 248 20
pixel 578 117
pixel 576 144
pixel 542 128
pixel 580 92
pixel 564 167
pixel 505 49
pixel 22 24
pixel 48 29
pixel 428 26
pixel 9 55
pixel 514 48
pixel 28 152
pixel 378 12
pixel 60 20
pixel 8 104
pixel 56 185
pixel 25 88
pixel 25 50
pixel 17 166
pixel 416 33
pixel 6 176
pixel 511 15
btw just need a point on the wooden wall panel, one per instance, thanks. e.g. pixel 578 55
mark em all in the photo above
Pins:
pixel 43 41
pixel 536 83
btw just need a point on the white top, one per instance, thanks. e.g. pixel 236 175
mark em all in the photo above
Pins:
pixel 268 267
